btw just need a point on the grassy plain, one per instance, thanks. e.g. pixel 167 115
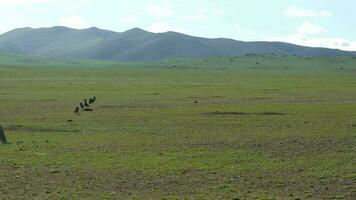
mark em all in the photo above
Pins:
pixel 251 127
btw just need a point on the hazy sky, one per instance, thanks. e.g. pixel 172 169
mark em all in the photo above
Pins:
pixel 327 23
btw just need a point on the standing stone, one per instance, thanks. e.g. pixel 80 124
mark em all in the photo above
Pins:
pixel 2 136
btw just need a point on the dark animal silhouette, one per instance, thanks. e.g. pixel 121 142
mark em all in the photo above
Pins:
pixel 92 100
pixel 76 110
pixel 2 136
pixel 86 103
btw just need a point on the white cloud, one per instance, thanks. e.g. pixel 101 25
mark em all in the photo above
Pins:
pixel 160 10
pixel 307 34
pixel 20 2
pixel 295 11
pixel 309 28
pixel 74 22
pixel 159 27
pixel 327 42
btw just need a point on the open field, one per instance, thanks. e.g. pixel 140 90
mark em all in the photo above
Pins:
pixel 248 127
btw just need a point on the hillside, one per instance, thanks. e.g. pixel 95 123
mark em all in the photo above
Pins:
pixel 137 44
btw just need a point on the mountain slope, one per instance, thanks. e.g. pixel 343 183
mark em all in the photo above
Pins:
pixel 137 44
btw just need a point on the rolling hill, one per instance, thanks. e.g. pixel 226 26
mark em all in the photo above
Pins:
pixel 137 44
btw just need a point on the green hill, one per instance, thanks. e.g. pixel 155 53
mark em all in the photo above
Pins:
pixel 137 44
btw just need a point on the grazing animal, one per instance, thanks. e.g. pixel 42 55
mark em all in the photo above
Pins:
pixel 91 100
pixel 85 106
pixel 86 103
pixel 2 136
pixel 76 110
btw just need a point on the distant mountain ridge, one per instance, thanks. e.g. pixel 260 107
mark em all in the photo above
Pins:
pixel 136 44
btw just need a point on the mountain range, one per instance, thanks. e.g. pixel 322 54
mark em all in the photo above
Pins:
pixel 139 45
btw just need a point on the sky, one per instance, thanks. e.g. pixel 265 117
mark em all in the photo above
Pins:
pixel 318 23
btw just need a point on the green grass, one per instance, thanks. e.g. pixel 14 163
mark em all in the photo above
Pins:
pixel 281 129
